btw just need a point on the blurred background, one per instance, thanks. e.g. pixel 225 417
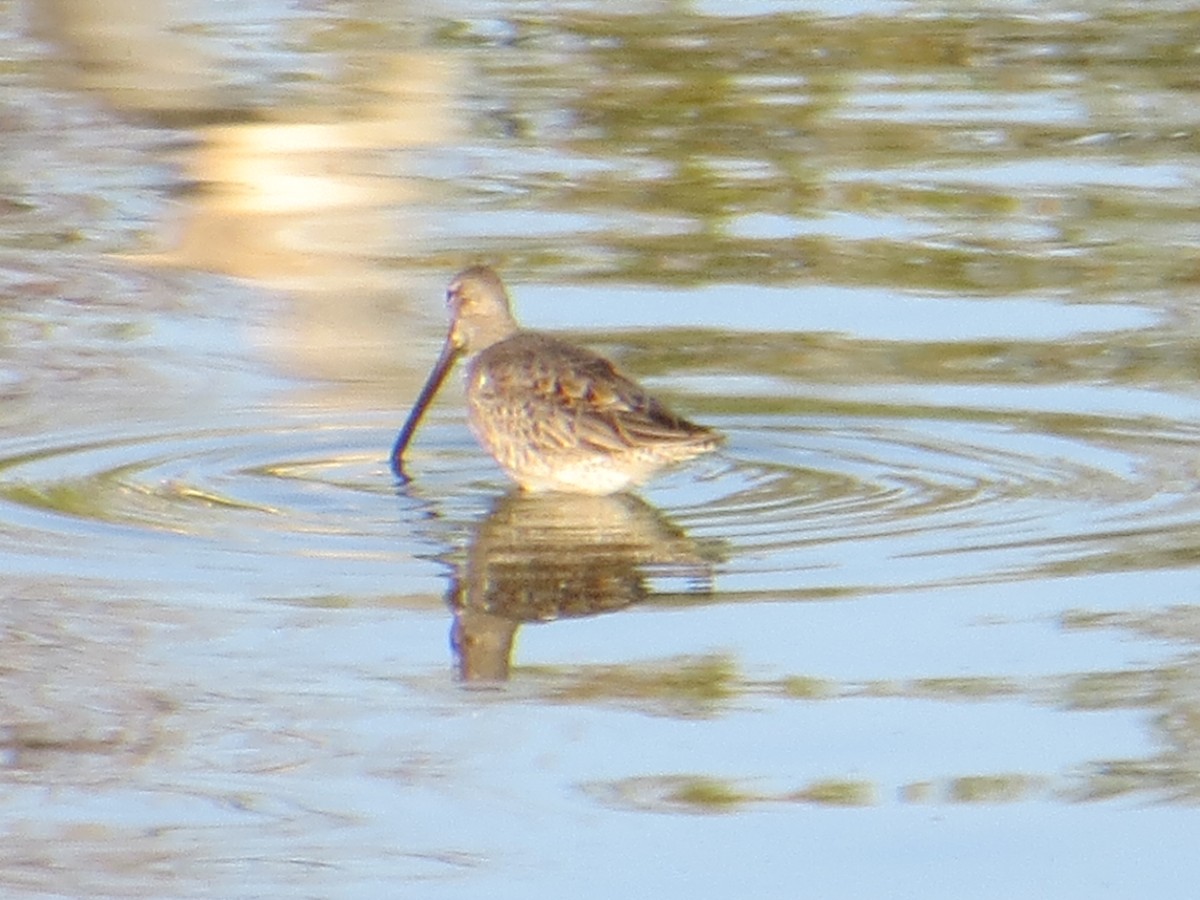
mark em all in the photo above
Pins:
pixel 926 627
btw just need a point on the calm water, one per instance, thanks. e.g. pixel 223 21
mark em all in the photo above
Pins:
pixel 927 627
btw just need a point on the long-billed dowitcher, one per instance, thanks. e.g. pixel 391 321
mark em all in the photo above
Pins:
pixel 556 417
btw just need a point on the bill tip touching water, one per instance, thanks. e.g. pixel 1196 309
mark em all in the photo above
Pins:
pixel 554 416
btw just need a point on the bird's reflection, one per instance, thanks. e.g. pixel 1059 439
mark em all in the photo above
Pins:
pixel 535 558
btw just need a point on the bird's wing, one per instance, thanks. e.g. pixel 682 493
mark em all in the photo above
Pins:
pixel 578 396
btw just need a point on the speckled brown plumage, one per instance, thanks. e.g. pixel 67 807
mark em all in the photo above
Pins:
pixel 555 416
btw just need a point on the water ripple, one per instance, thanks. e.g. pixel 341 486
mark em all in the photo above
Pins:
pixel 913 502
pixel 875 501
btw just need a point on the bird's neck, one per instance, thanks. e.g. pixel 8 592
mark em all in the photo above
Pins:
pixel 493 330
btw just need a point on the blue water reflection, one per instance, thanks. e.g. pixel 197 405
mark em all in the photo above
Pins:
pixel 925 627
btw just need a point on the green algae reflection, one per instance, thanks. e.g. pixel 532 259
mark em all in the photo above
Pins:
pixel 692 686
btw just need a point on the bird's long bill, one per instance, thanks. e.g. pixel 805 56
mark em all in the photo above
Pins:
pixel 441 369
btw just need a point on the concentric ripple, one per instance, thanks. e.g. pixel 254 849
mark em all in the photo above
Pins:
pixel 196 507
pixel 874 503
pixel 826 504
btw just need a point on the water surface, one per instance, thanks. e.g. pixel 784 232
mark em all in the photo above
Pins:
pixel 925 627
